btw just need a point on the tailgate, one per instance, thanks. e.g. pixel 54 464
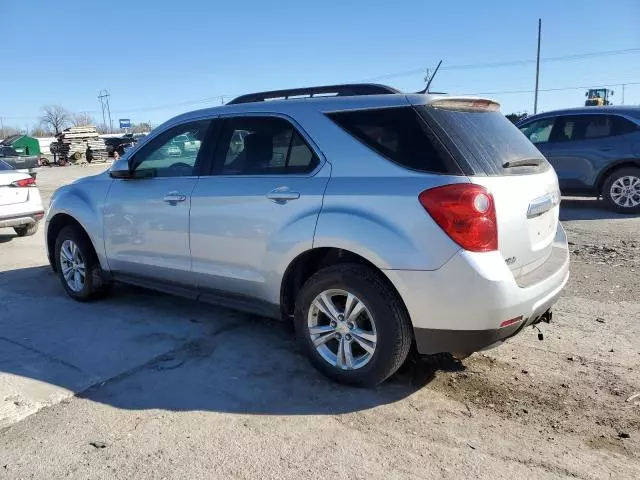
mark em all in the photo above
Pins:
pixel 495 154
pixel 12 195
pixel 527 209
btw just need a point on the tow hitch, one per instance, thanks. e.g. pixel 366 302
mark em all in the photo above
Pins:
pixel 546 318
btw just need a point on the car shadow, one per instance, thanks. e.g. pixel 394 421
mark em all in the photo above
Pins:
pixel 6 237
pixel 145 350
pixel 588 209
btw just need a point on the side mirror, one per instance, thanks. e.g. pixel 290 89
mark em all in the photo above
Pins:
pixel 120 169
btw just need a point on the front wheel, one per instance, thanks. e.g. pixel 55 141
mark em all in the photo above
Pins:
pixel 621 190
pixel 352 325
pixel 78 266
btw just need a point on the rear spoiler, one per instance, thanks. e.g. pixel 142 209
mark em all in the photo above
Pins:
pixel 469 104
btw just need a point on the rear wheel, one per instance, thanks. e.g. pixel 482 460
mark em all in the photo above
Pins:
pixel 352 325
pixel 78 266
pixel 621 190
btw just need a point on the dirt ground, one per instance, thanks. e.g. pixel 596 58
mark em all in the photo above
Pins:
pixel 147 386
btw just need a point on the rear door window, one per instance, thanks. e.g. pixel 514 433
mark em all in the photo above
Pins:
pixel 262 146
pixel 597 126
pixel 398 134
pixel 573 128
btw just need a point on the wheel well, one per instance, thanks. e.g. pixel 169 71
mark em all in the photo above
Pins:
pixel 604 175
pixel 56 224
pixel 307 264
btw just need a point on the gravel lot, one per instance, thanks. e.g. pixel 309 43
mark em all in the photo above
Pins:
pixel 143 385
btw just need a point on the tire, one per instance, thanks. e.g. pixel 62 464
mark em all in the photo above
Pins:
pixel 95 283
pixel 612 190
pixel 390 325
pixel 26 230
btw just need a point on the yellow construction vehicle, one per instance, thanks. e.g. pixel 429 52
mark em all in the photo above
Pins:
pixel 598 97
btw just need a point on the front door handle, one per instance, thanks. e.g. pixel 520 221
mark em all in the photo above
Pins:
pixel 282 195
pixel 173 198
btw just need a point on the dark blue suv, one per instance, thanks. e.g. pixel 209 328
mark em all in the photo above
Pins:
pixel 594 150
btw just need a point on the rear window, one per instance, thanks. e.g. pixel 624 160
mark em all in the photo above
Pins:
pixel 484 141
pixel 398 134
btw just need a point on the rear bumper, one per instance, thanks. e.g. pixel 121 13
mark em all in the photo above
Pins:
pixel 21 219
pixel 460 307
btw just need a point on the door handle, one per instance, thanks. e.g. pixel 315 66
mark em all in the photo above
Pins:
pixel 282 195
pixel 174 197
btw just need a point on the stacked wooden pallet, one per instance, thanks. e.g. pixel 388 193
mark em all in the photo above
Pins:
pixel 73 144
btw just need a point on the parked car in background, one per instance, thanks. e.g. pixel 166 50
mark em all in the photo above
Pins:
pixel 20 203
pixel 23 163
pixel 372 219
pixel 594 150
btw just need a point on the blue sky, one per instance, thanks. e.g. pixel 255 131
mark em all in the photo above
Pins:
pixel 158 59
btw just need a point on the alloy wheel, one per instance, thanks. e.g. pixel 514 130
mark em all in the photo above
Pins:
pixel 342 329
pixel 625 191
pixel 72 265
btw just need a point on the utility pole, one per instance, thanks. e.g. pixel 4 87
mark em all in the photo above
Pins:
pixel 535 101
pixel 103 96
pixel 623 85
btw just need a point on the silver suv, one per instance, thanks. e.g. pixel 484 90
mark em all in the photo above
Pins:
pixel 376 221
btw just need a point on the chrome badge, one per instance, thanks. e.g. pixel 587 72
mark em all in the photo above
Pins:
pixel 543 204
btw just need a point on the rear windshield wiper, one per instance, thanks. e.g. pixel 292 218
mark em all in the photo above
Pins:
pixel 525 162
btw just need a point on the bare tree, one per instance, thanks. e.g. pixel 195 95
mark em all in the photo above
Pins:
pixel 7 131
pixel 102 128
pixel 55 118
pixel 82 119
pixel 41 132
pixel 143 127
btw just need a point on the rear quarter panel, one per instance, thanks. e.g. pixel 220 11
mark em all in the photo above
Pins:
pixel 371 205
pixel 382 220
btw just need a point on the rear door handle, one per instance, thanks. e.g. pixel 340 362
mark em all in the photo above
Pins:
pixel 174 197
pixel 282 195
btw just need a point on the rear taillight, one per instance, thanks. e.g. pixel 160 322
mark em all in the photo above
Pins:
pixel 27 182
pixel 466 213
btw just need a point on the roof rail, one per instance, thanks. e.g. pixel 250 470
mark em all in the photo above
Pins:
pixel 353 89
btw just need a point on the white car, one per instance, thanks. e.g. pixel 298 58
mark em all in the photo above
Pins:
pixel 20 202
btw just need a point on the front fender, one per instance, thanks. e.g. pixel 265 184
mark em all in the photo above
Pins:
pixel 83 202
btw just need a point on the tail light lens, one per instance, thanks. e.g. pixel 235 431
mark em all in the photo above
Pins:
pixel 27 182
pixel 466 213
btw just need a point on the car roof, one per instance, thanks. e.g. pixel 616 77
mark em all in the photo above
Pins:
pixel 626 110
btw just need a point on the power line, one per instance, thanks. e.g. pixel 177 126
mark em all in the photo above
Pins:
pixel 506 92
pixel 512 63
pixel 103 96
